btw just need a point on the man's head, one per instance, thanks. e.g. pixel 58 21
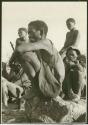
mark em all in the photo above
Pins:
pixel 22 32
pixel 37 30
pixel 70 22
pixel 72 54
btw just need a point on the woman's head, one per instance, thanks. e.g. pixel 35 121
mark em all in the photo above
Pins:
pixel 72 53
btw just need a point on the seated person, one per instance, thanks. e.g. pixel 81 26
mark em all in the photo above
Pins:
pixel 47 84
pixel 74 80
pixel 48 54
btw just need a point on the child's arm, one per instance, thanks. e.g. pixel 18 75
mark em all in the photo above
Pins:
pixel 42 44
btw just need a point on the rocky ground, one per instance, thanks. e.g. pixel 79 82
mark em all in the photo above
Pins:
pixel 76 113
pixel 12 114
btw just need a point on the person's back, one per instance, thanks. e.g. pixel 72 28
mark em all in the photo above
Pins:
pixel 71 38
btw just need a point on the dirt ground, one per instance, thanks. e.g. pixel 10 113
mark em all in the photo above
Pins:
pixel 12 114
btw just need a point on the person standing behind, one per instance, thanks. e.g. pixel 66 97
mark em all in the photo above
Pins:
pixel 72 37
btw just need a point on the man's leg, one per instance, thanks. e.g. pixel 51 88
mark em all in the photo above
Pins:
pixel 68 83
pixel 32 58
pixel 78 82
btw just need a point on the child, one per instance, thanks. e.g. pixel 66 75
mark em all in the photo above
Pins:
pixel 33 62
pixel 22 32
pixel 72 37
pixel 74 79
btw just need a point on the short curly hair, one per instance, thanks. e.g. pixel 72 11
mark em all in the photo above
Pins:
pixel 70 20
pixel 39 25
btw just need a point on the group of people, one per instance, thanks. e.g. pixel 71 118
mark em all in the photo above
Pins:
pixel 52 74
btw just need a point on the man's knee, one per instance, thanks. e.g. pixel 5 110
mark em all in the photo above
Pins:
pixel 36 66
pixel 33 74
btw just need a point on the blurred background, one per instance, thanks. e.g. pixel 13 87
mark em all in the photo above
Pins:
pixel 55 14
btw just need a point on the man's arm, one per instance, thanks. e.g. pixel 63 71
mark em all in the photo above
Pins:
pixel 42 44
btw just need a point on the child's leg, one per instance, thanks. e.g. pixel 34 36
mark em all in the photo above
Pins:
pixel 69 81
pixel 78 82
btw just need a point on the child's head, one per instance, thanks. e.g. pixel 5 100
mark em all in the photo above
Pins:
pixel 82 60
pixel 22 32
pixel 72 54
pixel 37 30
pixel 70 22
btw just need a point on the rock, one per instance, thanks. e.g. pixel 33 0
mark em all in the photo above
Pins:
pixel 54 112
pixel 75 111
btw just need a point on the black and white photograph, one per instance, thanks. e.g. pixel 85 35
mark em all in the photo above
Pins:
pixel 44 62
